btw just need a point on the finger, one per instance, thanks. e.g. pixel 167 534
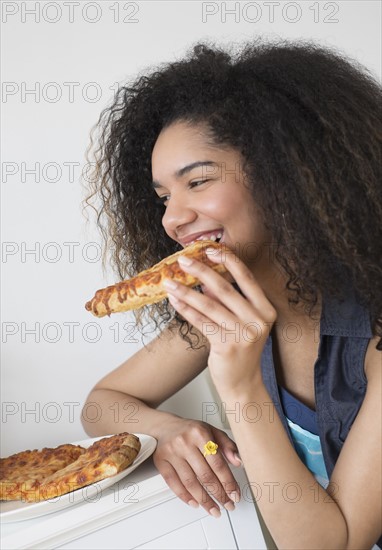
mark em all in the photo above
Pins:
pixel 170 476
pixel 217 311
pixel 217 479
pixel 227 447
pixel 230 452
pixel 211 317
pixel 227 295
pixel 195 316
pixel 232 457
pixel 239 271
pixel 227 276
pixel 189 480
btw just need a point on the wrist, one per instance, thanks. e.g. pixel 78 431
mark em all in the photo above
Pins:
pixel 160 422
pixel 242 390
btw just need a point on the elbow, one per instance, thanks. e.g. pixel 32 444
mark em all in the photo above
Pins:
pixel 91 415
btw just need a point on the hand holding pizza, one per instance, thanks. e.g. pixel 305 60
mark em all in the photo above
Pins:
pixel 236 325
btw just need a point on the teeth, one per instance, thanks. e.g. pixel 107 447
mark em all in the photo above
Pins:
pixel 208 238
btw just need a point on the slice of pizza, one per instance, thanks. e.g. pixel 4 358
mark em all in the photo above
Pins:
pixel 105 458
pixel 23 471
pixel 147 287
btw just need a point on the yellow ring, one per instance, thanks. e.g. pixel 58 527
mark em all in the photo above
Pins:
pixel 210 448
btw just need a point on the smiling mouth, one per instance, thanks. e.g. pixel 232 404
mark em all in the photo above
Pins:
pixel 213 236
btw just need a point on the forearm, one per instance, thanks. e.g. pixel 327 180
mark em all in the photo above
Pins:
pixel 298 512
pixel 108 412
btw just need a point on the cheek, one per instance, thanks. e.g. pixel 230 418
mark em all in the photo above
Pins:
pixel 223 206
pixel 218 211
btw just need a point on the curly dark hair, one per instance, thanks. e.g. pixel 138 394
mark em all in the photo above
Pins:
pixel 308 122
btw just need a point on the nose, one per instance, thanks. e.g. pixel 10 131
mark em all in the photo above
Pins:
pixel 178 213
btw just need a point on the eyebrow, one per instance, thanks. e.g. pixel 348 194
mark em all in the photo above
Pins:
pixel 182 171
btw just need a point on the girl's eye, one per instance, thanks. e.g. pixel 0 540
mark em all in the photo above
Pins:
pixel 197 183
pixel 162 200
pixel 165 198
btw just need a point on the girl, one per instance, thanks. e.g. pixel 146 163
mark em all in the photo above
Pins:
pixel 274 150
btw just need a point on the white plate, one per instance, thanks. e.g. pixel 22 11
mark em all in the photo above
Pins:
pixel 18 511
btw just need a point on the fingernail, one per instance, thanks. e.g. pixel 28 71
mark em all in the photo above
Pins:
pixel 229 506
pixel 212 251
pixel 237 457
pixel 193 503
pixel 184 260
pixel 215 512
pixel 171 285
pixel 234 496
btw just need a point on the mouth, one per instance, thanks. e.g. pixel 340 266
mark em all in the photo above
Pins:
pixel 216 235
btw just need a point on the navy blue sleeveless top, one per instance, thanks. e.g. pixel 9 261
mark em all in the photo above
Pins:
pixel 339 377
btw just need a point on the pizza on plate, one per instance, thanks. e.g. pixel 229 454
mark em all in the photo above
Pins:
pixel 147 287
pixel 33 476
pixel 29 468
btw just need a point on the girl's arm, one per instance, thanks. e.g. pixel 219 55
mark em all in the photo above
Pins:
pixel 298 512
pixel 125 400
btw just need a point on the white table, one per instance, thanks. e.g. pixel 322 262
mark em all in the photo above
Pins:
pixel 140 511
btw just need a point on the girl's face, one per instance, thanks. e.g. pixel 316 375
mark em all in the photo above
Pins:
pixel 203 189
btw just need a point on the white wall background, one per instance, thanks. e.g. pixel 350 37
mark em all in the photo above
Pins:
pixel 71 54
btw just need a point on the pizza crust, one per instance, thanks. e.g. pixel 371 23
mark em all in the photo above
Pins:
pixel 147 287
